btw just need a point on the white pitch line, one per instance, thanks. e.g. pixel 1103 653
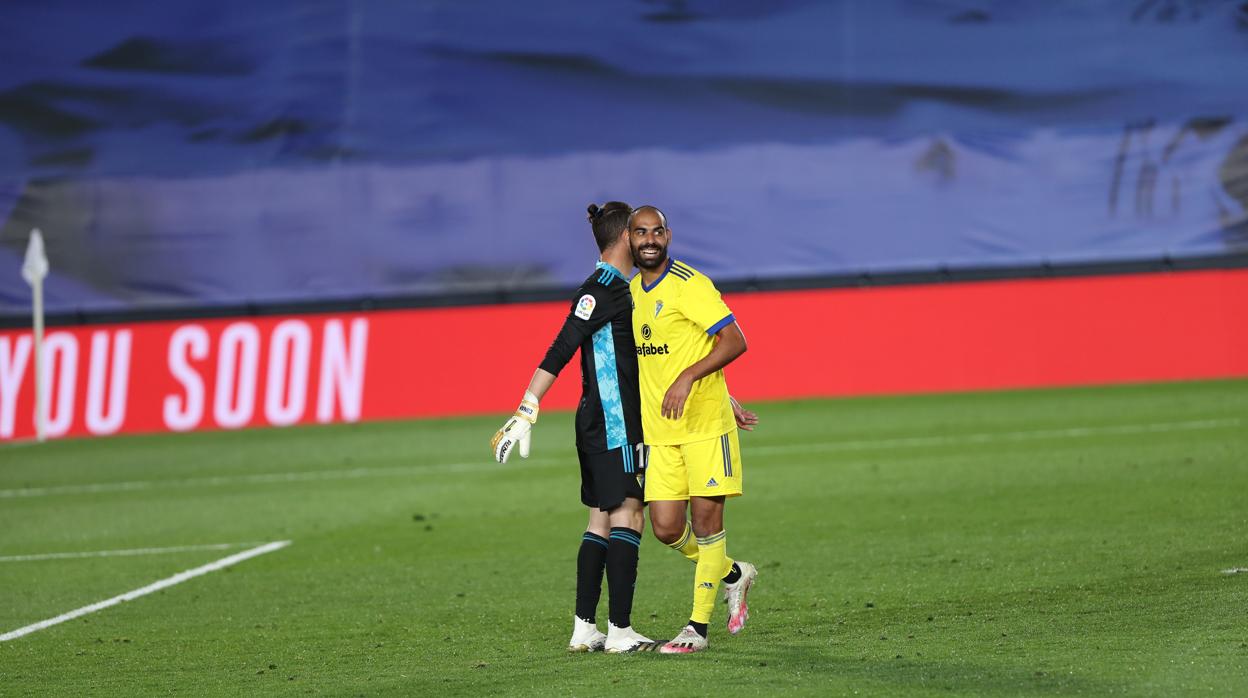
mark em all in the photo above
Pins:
pixel 862 445
pixel 153 587
pixel 262 478
pixel 123 553
pixel 1003 436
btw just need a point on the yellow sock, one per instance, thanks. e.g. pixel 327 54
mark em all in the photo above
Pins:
pixel 713 564
pixel 686 545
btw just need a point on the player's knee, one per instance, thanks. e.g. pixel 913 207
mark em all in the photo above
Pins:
pixel 637 521
pixel 707 514
pixel 667 532
pixel 600 531
pixel 629 514
pixel 599 523
pixel 708 524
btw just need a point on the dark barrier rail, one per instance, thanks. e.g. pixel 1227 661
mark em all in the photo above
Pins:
pixel 863 280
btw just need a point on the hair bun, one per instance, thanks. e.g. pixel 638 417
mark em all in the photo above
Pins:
pixel 594 212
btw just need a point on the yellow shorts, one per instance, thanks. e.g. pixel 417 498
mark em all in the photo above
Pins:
pixel 708 468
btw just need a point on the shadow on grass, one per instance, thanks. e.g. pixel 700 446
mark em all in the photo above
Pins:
pixel 740 669
pixel 909 675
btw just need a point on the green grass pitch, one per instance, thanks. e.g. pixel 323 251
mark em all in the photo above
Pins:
pixel 1017 543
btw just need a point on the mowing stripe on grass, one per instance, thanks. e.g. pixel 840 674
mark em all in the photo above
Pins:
pixel 1003 436
pixel 124 553
pixel 444 468
pixel 266 478
pixel 155 586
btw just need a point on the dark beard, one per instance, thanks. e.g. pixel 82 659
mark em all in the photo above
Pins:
pixel 658 262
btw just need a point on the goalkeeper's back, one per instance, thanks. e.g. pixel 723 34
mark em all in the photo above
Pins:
pixel 599 323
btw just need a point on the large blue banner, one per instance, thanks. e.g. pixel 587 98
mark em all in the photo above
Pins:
pixel 184 154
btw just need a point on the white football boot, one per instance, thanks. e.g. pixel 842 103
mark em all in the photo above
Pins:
pixel 734 596
pixel 586 637
pixel 620 640
pixel 687 642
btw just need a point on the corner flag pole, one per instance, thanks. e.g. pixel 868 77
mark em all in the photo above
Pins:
pixel 34 270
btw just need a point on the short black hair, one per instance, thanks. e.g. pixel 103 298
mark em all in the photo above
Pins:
pixel 608 222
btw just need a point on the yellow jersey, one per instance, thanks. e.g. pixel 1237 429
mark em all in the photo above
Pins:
pixel 675 321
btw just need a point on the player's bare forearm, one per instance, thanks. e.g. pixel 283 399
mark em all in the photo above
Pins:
pixel 730 345
pixel 541 382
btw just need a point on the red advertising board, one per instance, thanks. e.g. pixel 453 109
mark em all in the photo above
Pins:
pixel 276 371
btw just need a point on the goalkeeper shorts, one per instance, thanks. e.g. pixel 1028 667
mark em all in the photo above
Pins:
pixel 608 477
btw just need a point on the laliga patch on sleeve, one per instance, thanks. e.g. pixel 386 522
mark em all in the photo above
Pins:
pixel 585 306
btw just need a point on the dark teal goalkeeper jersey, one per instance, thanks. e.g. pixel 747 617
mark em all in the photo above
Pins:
pixel 600 325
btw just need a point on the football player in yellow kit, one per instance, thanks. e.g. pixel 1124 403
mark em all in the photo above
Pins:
pixel 685 337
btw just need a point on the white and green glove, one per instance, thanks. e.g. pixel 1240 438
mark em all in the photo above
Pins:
pixel 516 430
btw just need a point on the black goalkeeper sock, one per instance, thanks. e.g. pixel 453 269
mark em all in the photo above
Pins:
pixel 700 627
pixel 589 565
pixel 622 554
pixel 733 575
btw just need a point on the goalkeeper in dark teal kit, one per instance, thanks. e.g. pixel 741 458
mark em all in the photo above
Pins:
pixel 608 435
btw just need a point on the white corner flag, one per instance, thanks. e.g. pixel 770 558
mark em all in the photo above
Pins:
pixel 34 270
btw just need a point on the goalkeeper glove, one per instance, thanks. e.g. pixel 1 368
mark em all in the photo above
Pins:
pixel 516 430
